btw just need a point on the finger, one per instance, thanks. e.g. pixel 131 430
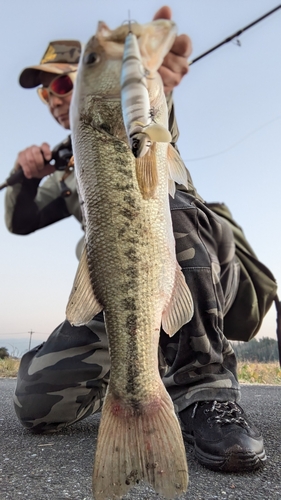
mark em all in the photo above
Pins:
pixel 22 162
pixel 176 64
pixel 170 79
pixel 32 172
pixel 163 13
pixel 36 158
pixel 32 161
pixel 46 150
pixel 26 168
pixel 38 174
pixel 182 46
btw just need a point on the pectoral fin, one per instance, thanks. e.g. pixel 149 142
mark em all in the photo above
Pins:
pixel 82 304
pixel 147 173
pixel 180 308
pixel 177 170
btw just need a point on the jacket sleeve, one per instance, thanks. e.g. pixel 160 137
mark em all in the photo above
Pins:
pixel 173 126
pixel 29 207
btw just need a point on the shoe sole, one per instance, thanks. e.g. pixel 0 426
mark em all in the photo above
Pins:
pixel 234 460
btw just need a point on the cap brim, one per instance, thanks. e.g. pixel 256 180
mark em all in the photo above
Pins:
pixel 31 77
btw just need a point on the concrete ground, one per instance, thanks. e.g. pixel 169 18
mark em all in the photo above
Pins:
pixel 59 466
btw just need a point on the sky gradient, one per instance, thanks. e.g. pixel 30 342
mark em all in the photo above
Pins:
pixel 228 109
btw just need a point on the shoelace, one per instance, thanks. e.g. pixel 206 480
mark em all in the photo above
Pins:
pixel 226 413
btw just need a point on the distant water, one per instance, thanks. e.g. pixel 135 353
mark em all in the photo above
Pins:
pixel 18 346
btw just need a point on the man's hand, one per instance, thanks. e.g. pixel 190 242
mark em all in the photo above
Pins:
pixel 32 162
pixel 175 64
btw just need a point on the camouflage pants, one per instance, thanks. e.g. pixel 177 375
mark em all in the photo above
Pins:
pixel 64 380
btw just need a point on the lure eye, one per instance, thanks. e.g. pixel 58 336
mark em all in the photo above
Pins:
pixel 91 58
pixel 140 144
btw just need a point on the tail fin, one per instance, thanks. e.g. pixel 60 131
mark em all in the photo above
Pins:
pixel 135 446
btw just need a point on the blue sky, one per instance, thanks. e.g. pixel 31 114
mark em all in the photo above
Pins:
pixel 229 114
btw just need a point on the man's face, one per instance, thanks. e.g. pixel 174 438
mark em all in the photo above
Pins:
pixel 58 105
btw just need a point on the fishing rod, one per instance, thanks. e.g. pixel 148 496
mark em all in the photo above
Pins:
pixel 235 35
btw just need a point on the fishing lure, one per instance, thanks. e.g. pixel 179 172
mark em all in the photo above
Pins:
pixel 138 116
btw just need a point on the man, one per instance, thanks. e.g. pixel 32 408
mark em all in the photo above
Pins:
pixel 64 379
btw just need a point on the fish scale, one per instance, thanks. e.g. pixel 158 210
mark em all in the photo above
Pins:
pixel 106 261
pixel 128 269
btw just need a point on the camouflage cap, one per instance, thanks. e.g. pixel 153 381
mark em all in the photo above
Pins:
pixel 61 56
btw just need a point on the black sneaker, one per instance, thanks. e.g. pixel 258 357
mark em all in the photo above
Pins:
pixel 223 438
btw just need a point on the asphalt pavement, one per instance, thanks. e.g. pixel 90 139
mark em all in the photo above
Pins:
pixel 59 466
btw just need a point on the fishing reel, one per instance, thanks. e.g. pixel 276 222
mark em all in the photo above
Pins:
pixel 62 160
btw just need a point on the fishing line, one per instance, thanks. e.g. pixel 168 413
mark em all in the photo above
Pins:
pixel 235 144
pixel 129 21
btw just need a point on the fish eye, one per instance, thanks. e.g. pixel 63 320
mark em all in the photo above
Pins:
pixel 91 58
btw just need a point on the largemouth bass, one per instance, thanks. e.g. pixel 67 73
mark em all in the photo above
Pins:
pixel 128 267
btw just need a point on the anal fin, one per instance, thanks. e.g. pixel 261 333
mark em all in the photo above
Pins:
pixel 82 304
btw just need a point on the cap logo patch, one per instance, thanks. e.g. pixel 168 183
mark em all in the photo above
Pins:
pixel 61 54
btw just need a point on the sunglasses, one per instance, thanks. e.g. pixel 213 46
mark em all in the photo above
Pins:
pixel 60 86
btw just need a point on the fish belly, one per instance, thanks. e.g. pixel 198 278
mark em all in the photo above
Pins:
pixel 132 268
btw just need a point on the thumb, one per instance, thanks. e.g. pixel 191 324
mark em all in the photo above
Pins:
pixel 163 13
pixel 46 150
